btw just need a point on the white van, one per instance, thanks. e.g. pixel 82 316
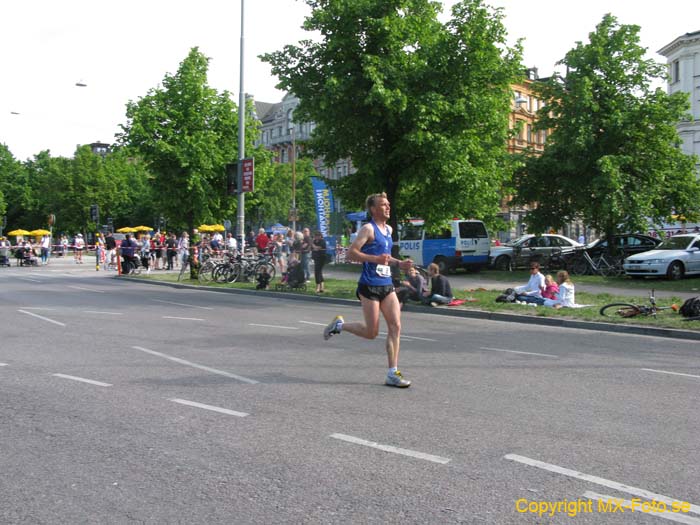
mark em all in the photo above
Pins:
pixel 464 244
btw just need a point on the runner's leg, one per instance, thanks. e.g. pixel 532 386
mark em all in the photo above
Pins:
pixel 391 310
pixel 369 329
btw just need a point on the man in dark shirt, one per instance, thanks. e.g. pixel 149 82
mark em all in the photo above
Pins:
pixel 440 289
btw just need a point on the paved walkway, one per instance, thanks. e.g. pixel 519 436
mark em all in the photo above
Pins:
pixel 470 281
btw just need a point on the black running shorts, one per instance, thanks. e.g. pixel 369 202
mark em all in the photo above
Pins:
pixel 374 293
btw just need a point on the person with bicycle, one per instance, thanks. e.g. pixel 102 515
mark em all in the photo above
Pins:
pixel 128 251
pixel 531 293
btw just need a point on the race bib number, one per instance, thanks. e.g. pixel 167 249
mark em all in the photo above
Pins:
pixel 383 270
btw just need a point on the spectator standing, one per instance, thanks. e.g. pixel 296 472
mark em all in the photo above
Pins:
pixel 171 250
pixel 64 245
pixel 145 248
pixel 306 247
pixel 183 248
pixel 262 241
pixel 110 247
pixel 318 253
pixel 440 289
pixel 45 249
pixel 78 247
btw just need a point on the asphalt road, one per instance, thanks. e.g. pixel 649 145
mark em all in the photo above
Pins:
pixel 123 402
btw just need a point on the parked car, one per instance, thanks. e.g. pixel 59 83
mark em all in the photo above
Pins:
pixel 519 253
pixel 675 257
pixel 626 244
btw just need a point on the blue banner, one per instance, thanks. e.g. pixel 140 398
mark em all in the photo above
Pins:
pixel 323 197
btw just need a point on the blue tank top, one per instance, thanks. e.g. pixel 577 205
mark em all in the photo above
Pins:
pixel 371 275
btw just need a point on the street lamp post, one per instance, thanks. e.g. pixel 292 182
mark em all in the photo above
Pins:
pixel 294 179
pixel 241 144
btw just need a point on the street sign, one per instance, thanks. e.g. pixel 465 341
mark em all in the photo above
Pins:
pixel 293 214
pixel 227 224
pixel 247 175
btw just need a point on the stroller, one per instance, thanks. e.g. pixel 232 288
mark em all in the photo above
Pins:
pixel 293 278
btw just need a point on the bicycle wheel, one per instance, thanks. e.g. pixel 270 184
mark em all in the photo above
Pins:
pixel 206 271
pixel 265 266
pixel 578 266
pixel 620 310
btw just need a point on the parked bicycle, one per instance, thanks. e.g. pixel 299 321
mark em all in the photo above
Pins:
pixel 606 265
pixel 627 310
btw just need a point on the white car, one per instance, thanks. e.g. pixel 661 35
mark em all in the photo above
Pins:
pixel 675 257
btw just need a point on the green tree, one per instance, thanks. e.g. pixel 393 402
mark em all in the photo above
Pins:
pixel 275 197
pixel 420 106
pixel 186 132
pixel 612 158
pixel 14 192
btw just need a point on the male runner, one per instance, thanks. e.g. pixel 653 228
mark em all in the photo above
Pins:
pixel 372 248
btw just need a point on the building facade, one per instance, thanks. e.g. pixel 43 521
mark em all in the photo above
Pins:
pixel 683 58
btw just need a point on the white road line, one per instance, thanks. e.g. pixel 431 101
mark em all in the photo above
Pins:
pixel 102 313
pixel 315 324
pixel 598 481
pixel 389 448
pixel 30 280
pixel 195 365
pixel 209 407
pixel 516 352
pixel 85 289
pixel 670 373
pixel 82 380
pixel 3 364
pixel 627 505
pixel 404 336
pixel 183 304
pixel 42 317
pixel 274 326
pixel 38 308
pixel 183 318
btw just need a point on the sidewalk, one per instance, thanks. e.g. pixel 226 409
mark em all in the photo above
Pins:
pixel 470 281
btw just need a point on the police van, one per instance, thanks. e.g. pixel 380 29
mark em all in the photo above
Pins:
pixel 464 244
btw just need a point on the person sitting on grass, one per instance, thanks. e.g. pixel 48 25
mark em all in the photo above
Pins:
pixel 440 290
pixel 551 288
pixel 532 291
pixel 566 297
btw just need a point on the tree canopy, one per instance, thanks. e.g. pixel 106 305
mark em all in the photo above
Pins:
pixel 186 132
pixel 419 105
pixel 612 158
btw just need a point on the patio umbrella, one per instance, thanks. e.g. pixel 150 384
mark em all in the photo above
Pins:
pixel 14 233
pixel 216 227
pixel 126 229
pixel 40 232
pixel 142 228
pixel 204 228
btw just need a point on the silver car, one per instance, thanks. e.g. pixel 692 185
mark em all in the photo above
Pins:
pixel 675 257
pixel 519 253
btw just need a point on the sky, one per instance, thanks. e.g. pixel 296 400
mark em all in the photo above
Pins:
pixel 120 50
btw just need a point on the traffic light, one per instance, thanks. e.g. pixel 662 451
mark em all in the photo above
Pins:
pixel 95 213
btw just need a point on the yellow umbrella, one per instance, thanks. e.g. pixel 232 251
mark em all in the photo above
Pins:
pixel 142 228
pixel 204 228
pixel 216 227
pixel 39 232
pixel 14 233
pixel 126 229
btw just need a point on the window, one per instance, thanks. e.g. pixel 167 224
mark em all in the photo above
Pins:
pixel 411 232
pixel 444 234
pixel 675 71
pixel 470 230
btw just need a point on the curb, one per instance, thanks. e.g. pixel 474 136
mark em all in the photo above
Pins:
pixel 671 333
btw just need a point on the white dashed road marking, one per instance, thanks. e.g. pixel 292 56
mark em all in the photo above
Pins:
pixel 102 313
pixel 183 318
pixel 183 304
pixel 647 495
pixel 516 352
pixel 389 448
pixel 274 326
pixel 41 317
pixel 670 373
pixel 82 380
pixel 195 365
pixel 209 407
pixel 86 289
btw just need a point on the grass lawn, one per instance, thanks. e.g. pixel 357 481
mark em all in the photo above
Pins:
pixel 481 299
